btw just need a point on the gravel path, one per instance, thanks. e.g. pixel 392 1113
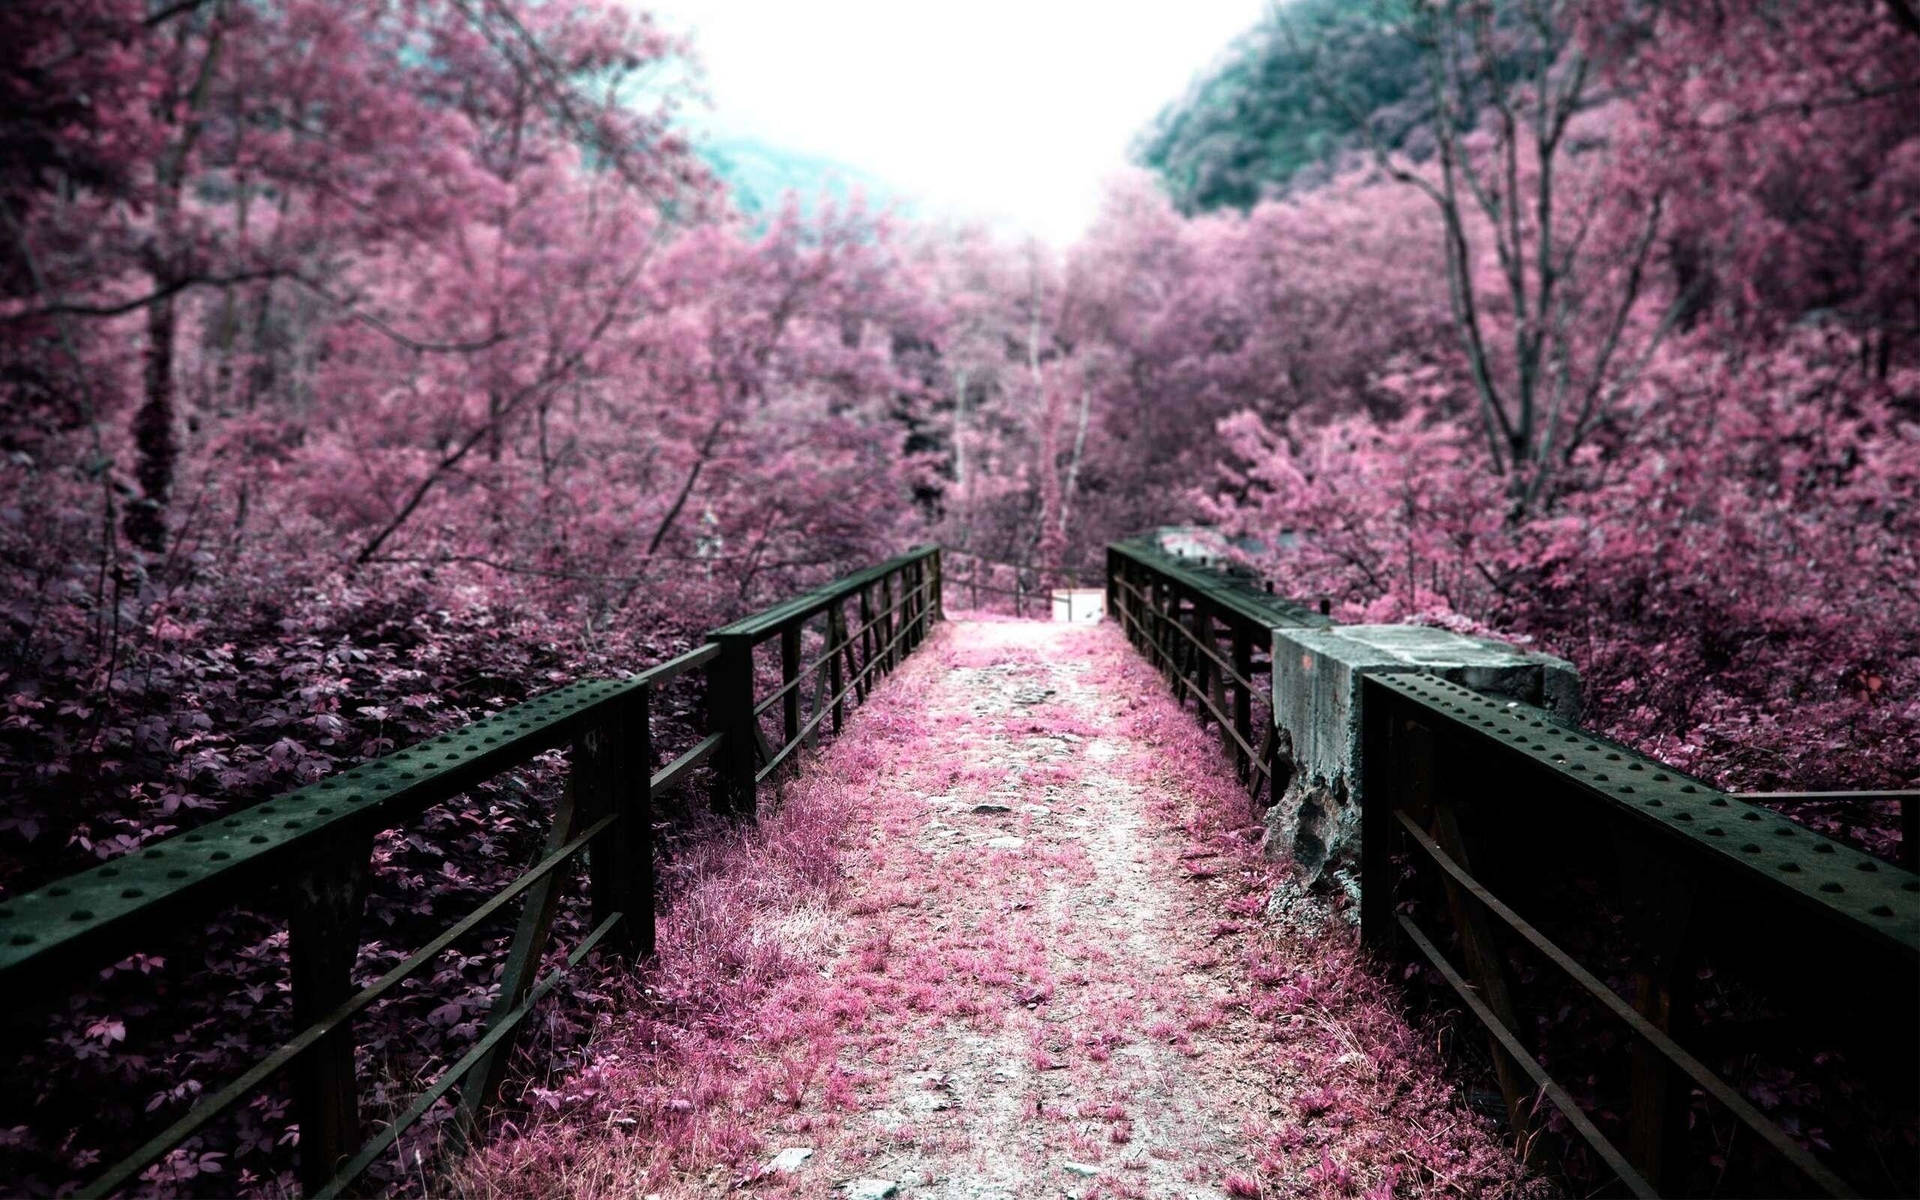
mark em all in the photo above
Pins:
pixel 1041 966
pixel 1082 1037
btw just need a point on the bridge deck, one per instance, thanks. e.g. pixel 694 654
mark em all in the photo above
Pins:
pixel 1042 970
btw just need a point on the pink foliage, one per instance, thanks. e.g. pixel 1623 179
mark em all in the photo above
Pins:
pixel 367 367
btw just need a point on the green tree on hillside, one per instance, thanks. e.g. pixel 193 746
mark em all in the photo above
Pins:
pixel 1263 113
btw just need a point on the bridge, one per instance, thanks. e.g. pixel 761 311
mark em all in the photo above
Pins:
pixel 1058 902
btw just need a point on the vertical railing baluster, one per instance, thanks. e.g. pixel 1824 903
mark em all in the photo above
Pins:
pixel 323 936
pixel 909 608
pixel 865 674
pixel 612 760
pixel 730 714
pixel 1242 696
pixel 1431 798
pixel 837 649
pixel 814 714
pixel 790 680
pixel 1203 675
pixel 886 624
pixel 1659 923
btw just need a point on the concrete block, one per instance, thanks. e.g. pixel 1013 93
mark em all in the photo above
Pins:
pixel 1079 606
pixel 1316 704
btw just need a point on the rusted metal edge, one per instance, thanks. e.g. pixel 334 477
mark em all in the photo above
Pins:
pixel 1853 888
pixel 1662 1043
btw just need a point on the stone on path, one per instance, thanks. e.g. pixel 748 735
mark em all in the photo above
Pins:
pixel 1004 843
pixel 789 1160
pixel 871 1189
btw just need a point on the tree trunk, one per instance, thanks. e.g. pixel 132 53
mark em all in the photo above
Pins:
pixel 154 442
pixel 960 440
pixel 1079 452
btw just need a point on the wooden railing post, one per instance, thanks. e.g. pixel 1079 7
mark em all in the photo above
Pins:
pixel 939 587
pixel 1380 787
pixel 887 648
pixel 730 714
pixel 1242 696
pixel 863 677
pixel 836 653
pixel 323 938
pixel 790 680
pixel 612 762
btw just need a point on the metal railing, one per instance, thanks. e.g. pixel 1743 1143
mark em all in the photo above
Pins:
pixel 1023 588
pixel 1470 799
pixel 897 601
pixel 1476 813
pixel 312 847
pixel 1178 613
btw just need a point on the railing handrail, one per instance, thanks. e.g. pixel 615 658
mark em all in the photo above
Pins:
pixel 1234 593
pixel 1849 888
pixel 769 620
pixel 318 837
pixel 1864 911
pixel 70 917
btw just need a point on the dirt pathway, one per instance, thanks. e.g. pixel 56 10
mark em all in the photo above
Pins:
pixel 1075 1029
pixel 1044 968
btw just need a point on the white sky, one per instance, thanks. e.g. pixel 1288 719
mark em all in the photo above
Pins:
pixel 1001 110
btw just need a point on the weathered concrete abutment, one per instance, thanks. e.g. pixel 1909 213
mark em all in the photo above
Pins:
pixel 1315 819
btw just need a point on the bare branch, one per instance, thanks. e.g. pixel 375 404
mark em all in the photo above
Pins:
pixel 120 308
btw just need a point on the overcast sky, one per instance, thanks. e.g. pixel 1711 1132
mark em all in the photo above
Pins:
pixel 1012 111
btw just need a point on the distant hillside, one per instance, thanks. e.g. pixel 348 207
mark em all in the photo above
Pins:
pixel 759 175
pixel 1262 114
